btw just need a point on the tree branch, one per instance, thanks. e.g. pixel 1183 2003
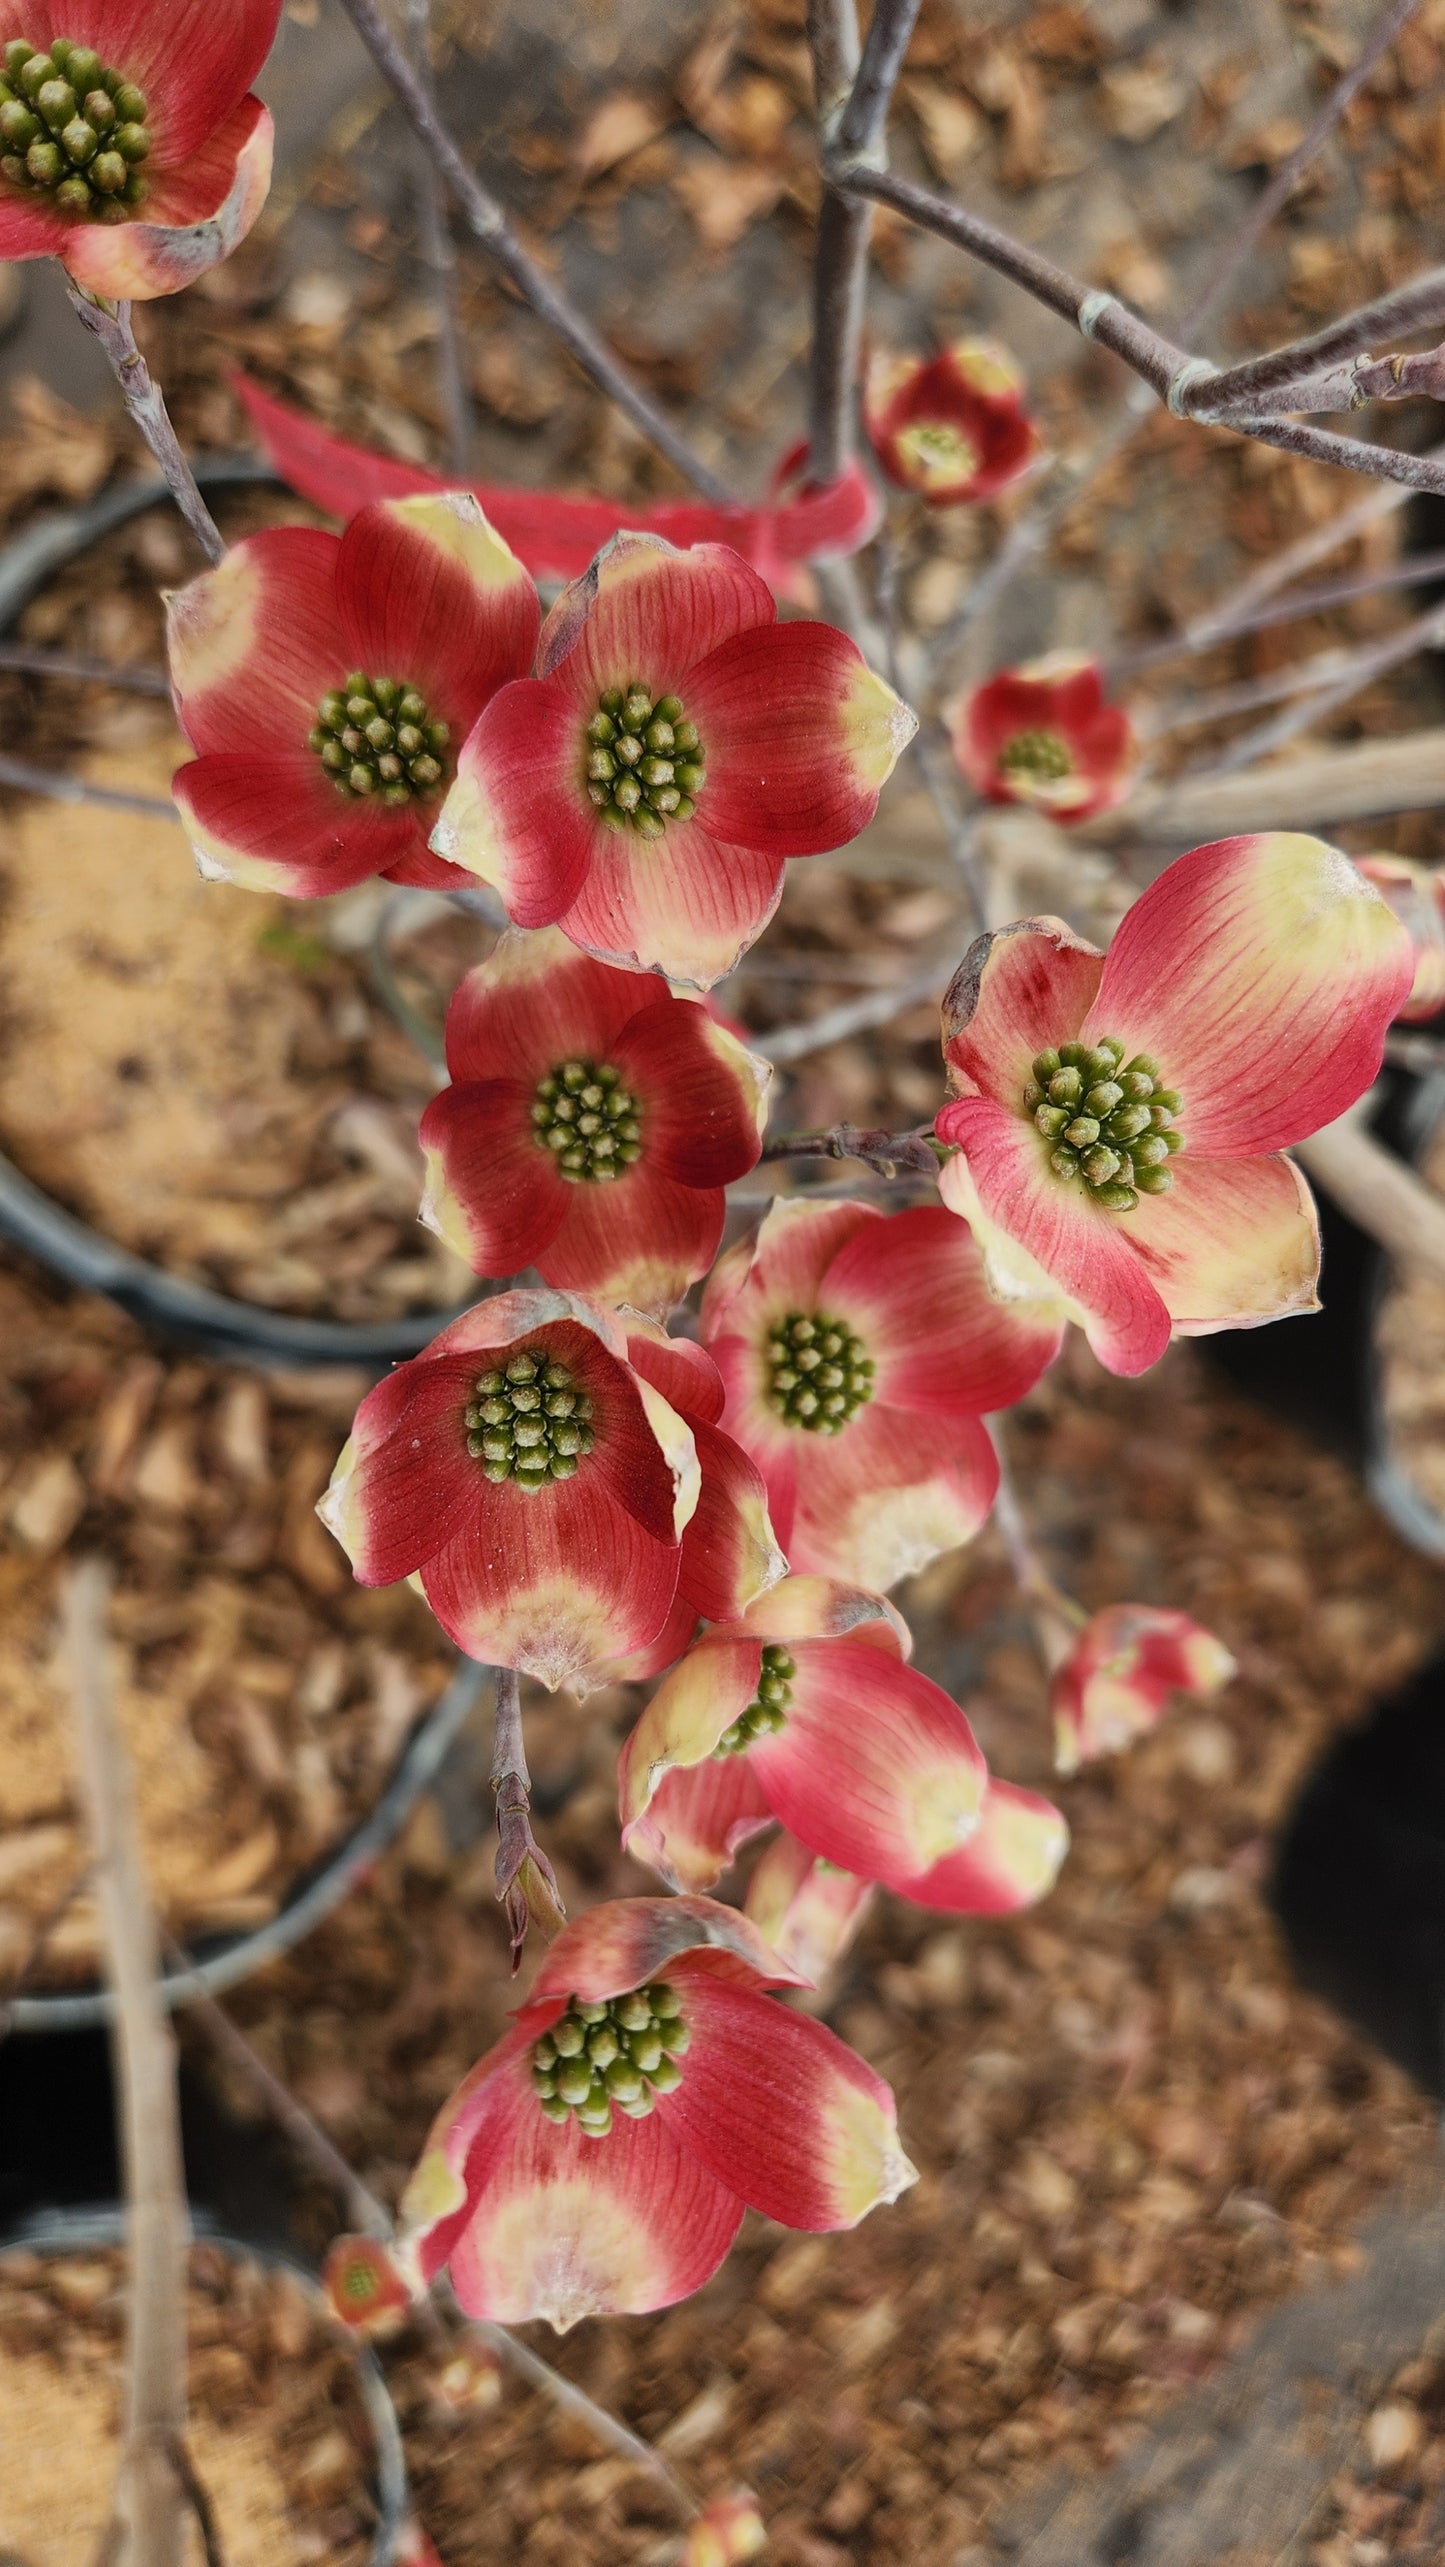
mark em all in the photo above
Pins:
pixel 1354 670
pixel 1281 379
pixel 1383 1196
pixel 852 118
pixel 150 2497
pixel 887 1152
pixel 110 324
pixel 489 224
pixel 1410 572
pixel 437 252
pixel 526 1883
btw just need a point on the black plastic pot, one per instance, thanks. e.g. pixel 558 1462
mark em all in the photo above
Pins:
pixel 75 2231
pixel 28 1216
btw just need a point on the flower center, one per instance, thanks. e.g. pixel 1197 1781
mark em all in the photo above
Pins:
pixel 377 741
pixel 821 1372
pixel 618 2050
pixel 1111 1126
pixel 72 129
pixel 529 1422
pixel 769 1708
pixel 1039 756
pixel 589 1120
pixel 938 452
pixel 645 762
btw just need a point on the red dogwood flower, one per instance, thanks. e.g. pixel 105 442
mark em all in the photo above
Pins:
pixel 130 148
pixel 809 1910
pixel 728 2530
pixel 805 1711
pixel 592 1124
pixel 1116 1681
pixel 363 2286
pixel 1119 1117
pixel 675 746
pixel 860 1352
pixel 600 2157
pixel 1417 897
pixel 325 682
pixel 1043 734
pixel 953 427
pixel 530 1478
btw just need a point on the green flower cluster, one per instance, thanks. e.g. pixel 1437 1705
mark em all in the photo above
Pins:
pixel 529 1422
pixel 1111 1121
pixel 584 1115
pixel 768 1710
pixel 620 2051
pixel 375 737
pixel 645 762
pixel 73 129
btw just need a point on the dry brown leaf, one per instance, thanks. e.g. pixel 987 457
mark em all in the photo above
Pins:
pixel 950 127
pixel 725 199
pixel 617 127
pixel 1140 98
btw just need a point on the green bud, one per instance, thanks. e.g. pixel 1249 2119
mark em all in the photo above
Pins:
pixel 78 142
pixel 99 110
pixel 1172 1141
pixel 132 142
pixel 1063 1162
pixel 633 2011
pixel 656 771
pixel 1045 1065
pixel 73 195
pixel 46 164
pixel 1136 1086
pixel 1072 1056
pixel 425 772
pixel 685 807
pixel 18 124
pixel 659 736
pixel 627 793
pixel 1169 1098
pixel 1150 1150
pixel 668 708
pixel 637 709
pixel 602 730
pixel 1103 1098
pixel 1051 1120
pixel 624 2080
pixel 130 103
pixel 568 2037
pixel 665 2078
pixel 1117 1197
pixel 1102 1164
pixel 32 74
pixel 611 701
pixel 13 168
pixel 83 68
pixel 55 101
pixel 685 735
pixel 108 172
pixel 1082 1133
pixel 438 736
pixel 1143 1065
pixel 1129 1120
pixel 689 777
pixel 574 2080
pixel 17 54
pixel 1065 1087
pixel 1153 1180
pixel 647 823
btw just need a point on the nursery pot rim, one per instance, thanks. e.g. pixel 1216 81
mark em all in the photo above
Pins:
pixel 62 2232
pixel 1394 1492
pixel 32 1219
pixel 237 1956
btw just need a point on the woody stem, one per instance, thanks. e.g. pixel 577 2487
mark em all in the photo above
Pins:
pixel 110 323
pixel 512 1784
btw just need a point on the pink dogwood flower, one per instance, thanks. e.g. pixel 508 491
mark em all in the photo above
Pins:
pixel 861 1351
pixel 1115 1683
pixel 600 2157
pixel 326 682
pixel 805 1711
pixel 952 428
pixel 130 147
pixel 530 1479
pixel 676 745
pixel 1119 1118
pixel 591 1126
pixel 726 2533
pixel 1044 734
pixel 808 1909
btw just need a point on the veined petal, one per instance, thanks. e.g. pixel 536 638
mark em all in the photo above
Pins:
pixel 429 593
pixel 809 1910
pixel 276 824
pixel 914 1290
pixel 704 1096
pixel 821 1608
pixel 878 1502
pixel 1118 1678
pixel 535 1002
pixel 685 904
pixel 1014 995
pixel 629 1941
pixel 681 1726
pixel 729 1553
pixel 781 1268
pixel 781 2111
pixel 875 1767
pixel 517 814
pixel 682 1370
pixel 697 1819
pixel 641 1240
pixel 645 613
pixel 194 61
pixel 800 737
pixel 199 209
pixel 1234 1243
pixel 1010 1861
pixel 1081 1248
pixel 1262 973
pixel 405 1483
pixel 254 644
pixel 491 1191
pixel 557 1581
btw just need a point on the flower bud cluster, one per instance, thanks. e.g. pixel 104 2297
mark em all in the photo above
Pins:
pixel 584 1115
pixel 645 762
pixel 619 2051
pixel 375 736
pixel 1111 1122
pixel 73 129
pixel 821 1373
pixel 529 1423
pixel 768 1710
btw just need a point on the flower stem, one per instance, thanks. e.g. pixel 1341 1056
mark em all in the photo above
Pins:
pixel 526 1883
pixel 438 255
pixel 888 1152
pixel 490 226
pixel 110 323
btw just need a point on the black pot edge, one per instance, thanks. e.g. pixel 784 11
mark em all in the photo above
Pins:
pixel 1393 1492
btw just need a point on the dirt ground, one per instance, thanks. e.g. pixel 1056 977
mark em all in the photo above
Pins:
pixel 1136 2133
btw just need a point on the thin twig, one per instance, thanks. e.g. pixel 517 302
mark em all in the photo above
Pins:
pixel 21 777
pixel 1300 374
pixel 110 324
pixel 140 680
pixel 1410 572
pixel 887 1152
pixel 1357 782
pixel 1055 1617
pixel 1358 670
pixel 526 1883
pixel 439 256
pixel 489 224
pixel 149 2508
pixel 197 2498
pixel 854 1015
pixel 852 119
pixel 960 827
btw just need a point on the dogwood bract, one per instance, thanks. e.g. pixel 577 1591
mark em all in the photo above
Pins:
pixel 1116 1681
pixel 861 1351
pixel 953 427
pixel 600 2157
pixel 677 743
pixel 1119 1117
pixel 592 1124
pixel 1045 734
pixel 130 147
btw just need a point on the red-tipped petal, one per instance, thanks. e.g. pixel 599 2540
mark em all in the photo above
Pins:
pixel 703 1095
pixel 429 593
pixel 914 1290
pixel 781 1268
pixel 1117 1680
pixel 809 1910
pixel 492 1191
pixel 194 61
pixel 681 1726
pixel 558 1581
pixel 800 739
pixel 276 824
pixel 629 1941
pixel 878 1502
pixel 1073 1245
pixel 875 1767
pixel 1262 973
pixel 697 1820
pixel 640 1241
pixel 685 904
pixel 1234 1243
pixel 1011 1860
pixel 730 1555
pixel 198 210
pixel 780 2111
pixel 1014 995
pixel 536 1002
pixel 645 613
pixel 254 644
pixel 682 1370
pixel 823 1608
pixel 517 814
pixel 405 1484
